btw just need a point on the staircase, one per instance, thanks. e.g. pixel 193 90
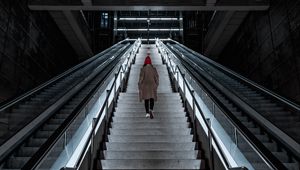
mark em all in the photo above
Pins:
pixel 137 142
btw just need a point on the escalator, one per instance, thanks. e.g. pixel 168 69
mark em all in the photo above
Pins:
pixel 30 121
pixel 272 120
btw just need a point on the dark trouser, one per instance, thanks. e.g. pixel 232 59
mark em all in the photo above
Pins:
pixel 147 104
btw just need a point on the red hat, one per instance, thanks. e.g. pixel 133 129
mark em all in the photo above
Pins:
pixel 148 60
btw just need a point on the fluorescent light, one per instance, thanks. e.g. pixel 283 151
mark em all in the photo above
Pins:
pixel 145 19
pixel 152 29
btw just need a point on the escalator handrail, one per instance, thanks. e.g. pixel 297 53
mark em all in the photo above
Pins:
pixel 10 143
pixel 46 147
pixel 291 146
pixel 51 81
pixel 279 98
pixel 81 157
pixel 250 138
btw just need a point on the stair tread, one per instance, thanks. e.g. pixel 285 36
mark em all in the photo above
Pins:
pixel 149 146
pixel 150 138
pixel 150 154
pixel 151 164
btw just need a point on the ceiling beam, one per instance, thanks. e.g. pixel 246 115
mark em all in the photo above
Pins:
pixel 87 2
pixel 221 29
pixel 147 8
pixel 67 23
pixel 210 2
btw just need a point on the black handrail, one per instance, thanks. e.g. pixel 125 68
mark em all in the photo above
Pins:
pixel 46 147
pixel 250 138
pixel 51 81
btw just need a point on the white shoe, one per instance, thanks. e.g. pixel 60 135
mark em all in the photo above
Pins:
pixel 147 115
pixel 151 114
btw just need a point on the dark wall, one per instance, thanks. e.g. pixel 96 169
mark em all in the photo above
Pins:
pixel 266 48
pixel 32 48
pixel 195 25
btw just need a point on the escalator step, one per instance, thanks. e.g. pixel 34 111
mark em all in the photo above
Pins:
pixel 26 151
pixel 43 134
pixel 36 142
pixel 17 162
pixel 56 121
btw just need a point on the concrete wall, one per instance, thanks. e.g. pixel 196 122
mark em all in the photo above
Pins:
pixel 266 48
pixel 32 49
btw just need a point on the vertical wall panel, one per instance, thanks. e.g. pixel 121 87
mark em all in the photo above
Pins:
pixel 32 48
pixel 273 56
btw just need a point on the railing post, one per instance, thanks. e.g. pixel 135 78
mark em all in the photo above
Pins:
pixel 65 139
pixel 106 107
pixel 115 89
pixel 178 85
pixel 121 82
pixel 235 136
pixel 194 115
pixel 92 144
pixel 211 157
pixel 213 108
pixel 183 85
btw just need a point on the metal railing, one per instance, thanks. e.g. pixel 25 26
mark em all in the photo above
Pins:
pixel 88 127
pixel 188 93
pixel 62 140
pixel 13 132
pixel 66 139
pixel 277 97
pixel 47 83
pixel 110 99
pixel 217 108
pixel 289 144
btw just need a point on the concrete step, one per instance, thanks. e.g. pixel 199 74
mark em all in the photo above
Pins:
pixel 150 138
pixel 143 114
pixel 149 146
pixel 142 110
pixel 158 94
pixel 152 164
pixel 144 119
pixel 159 99
pixel 156 131
pixel 150 154
pixel 137 102
pixel 142 103
pixel 150 125
pixel 159 106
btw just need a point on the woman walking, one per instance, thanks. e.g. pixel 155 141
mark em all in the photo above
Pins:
pixel 148 84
